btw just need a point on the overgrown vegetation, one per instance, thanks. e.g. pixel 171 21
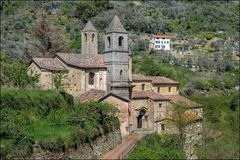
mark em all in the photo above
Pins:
pixel 50 119
pixel 156 146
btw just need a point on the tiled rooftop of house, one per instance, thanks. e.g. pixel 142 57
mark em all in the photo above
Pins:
pixel 147 94
pixel 82 60
pixel 183 101
pixel 92 94
pixel 187 117
pixel 153 79
pixel 49 63
pixel 161 36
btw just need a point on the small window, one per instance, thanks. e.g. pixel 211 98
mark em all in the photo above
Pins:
pixel 169 89
pixel 162 127
pixel 109 42
pixel 121 76
pixel 75 84
pixel 158 89
pixel 91 78
pixel 160 105
pixel 120 40
pixel 85 37
pixel 93 35
pixel 177 88
pixel 72 75
pixel 143 87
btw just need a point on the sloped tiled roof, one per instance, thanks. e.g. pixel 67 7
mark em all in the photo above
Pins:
pixel 147 94
pixel 92 95
pixel 153 79
pixel 186 116
pixel 49 63
pixel 161 36
pixel 140 77
pixel 162 80
pixel 89 27
pixel 97 95
pixel 82 60
pixel 183 101
pixel 116 26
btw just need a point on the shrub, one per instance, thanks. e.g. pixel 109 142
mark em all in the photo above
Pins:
pixel 53 145
pixel 156 146
pixel 40 101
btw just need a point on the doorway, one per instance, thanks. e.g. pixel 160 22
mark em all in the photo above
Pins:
pixel 141 119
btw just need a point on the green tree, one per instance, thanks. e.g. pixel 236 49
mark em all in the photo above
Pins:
pixel 15 74
pixel 60 81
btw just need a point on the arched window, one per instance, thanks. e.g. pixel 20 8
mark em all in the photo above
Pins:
pixel 91 78
pixel 120 41
pixel 109 42
pixel 121 76
pixel 93 35
pixel 85 36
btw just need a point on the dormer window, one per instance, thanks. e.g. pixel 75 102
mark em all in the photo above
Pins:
pixel 120 41
pixel 91 78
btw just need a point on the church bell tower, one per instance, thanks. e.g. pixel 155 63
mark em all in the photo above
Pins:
pixel 116 55
pixel 89 40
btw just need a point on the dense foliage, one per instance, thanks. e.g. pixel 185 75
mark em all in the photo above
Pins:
pixel 14 73
pixel 183 18
pixel 156 146
pixel 50 119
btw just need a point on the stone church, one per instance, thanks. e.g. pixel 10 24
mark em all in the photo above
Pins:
pixel 144 102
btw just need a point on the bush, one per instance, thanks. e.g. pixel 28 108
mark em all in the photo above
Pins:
pixel 39 101
pixel 156 146
pixel 53 145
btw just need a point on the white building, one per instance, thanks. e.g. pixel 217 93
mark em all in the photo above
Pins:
pixel 160 42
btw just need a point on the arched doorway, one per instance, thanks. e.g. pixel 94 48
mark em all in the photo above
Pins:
pixel 142 119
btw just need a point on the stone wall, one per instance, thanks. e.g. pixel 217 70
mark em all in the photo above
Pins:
pixel 98 147
pixel 164 89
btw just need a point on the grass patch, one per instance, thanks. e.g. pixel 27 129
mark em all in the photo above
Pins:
pixel 43 130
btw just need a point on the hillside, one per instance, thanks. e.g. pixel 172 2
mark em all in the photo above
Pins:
pixel 48 123
pixel 204 60
pixel 192 21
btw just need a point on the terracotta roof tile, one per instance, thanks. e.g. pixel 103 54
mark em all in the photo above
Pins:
pixel 153 79
pixel 49 63
pixel 147 94
pixel 183 101
pixel 187 117
pixel 140 77
pixel 161 36
pixel 162 80
pixel 91 95
pixel 82 60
